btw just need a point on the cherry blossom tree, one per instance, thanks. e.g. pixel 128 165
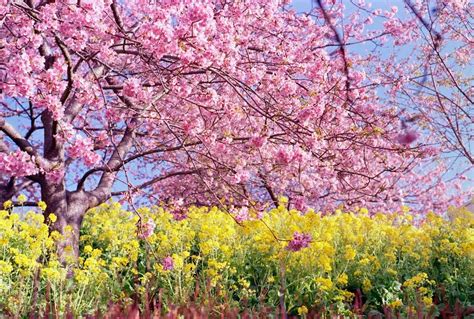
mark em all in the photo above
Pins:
pixel 229 103
pixel 447 102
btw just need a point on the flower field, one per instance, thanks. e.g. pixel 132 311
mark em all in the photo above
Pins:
pixel 349 264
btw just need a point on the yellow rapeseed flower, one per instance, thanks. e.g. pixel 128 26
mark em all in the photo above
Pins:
pixel 23 261
pixel 302 310
pixel 366 285
pixel 325 284
pixel 397 303
pixel 428 301
pixel 5 267
pixel 350 253
pixel 22 198
pixel 42 205
pixel 52 217
pixel 8 204
pixel 342 279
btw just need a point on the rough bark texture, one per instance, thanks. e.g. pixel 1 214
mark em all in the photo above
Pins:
pixel 70 210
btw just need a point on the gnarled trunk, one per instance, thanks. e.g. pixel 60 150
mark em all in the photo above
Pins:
pixel 69 209
pixel 68 223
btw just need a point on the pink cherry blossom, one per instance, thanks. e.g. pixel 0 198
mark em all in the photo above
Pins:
pixel 17 163
pixel 242 214
pixel 132 87
pixel 83 148
pixel 55 175
pixel 147 229
pixel 407 137
pixel 168 263
pixel 283 156
pixel 299 241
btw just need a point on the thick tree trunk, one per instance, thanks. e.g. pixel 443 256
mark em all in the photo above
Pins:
pixel 68 223
pixel 7 191
pixel 69 209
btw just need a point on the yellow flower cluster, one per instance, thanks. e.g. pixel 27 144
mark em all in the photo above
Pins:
pixel 25 241
pixel 395 260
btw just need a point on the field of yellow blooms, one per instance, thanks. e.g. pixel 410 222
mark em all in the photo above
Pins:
pixel 308 265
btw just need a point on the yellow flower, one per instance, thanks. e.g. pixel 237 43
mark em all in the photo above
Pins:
pixel 88 249
pixel 396 304
pixel 244 283
pixel 347 295
pixel 52 217
pixel 5 267
pixel 302 310
pixel 364 261
pixel 350 253
pixel 22 198
pixel 324 284
pixel 428 301
pixel 343 279
pixel 416 281
pixel 96 253
pixel 51 273
pixel 82 277
pixel 178 261
pixel 55 235
pixel 8 204
pixel 366 285
pixel 23 261
pixel 325 262
pixel 42 205
pixel 423 290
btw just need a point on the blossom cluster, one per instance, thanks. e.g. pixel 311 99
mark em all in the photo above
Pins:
pixel 299 241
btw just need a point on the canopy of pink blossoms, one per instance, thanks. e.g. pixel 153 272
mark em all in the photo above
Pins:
pixel 205 102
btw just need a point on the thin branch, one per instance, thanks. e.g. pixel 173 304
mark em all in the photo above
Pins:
pixel 269 190
pixel 22 143
pixel 67 58
pixel 156 180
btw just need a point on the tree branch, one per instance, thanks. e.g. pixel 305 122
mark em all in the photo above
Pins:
pixel 269 190
pixel 67 58
pixel 156 180
pixel 15 136
pixel 109 169
pixel 3 146
pixel 22 143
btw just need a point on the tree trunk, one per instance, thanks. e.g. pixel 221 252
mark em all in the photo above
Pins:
pixel 69 209
pixel 68 223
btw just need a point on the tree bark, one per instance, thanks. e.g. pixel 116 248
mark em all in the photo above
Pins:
pixel 68 223
pixel 69 209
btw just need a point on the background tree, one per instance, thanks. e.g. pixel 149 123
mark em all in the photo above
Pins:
pixel 211 102
pixel 447 102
